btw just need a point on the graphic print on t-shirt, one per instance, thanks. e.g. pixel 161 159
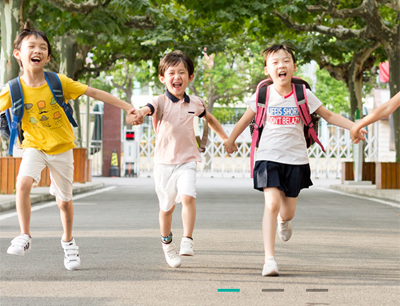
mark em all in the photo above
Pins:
pixel 54 104
pixel 283 115
pixel 48 116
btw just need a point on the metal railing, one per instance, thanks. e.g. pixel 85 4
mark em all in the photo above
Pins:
pixel 94 145
pixel 337 143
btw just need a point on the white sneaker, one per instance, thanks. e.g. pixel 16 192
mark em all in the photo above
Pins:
pixel 187 247
pixel 284 230
pixel 270 268
pixel 71 255
pixel 171 255
pixel 20 245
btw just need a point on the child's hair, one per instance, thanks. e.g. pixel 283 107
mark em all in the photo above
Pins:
pixel 275 48
pixel 28 30
pixel 173 59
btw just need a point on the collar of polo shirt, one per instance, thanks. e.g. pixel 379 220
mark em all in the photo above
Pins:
pixel 175 99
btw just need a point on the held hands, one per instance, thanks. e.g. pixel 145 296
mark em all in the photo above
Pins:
pixel 230 146
pixel 357 134
pixel 134 117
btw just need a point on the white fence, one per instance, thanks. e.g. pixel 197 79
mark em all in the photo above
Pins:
pixel 337 143
pixel 92 130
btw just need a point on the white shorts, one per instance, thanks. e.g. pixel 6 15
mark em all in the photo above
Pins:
pixel 61 168
pixel 173 181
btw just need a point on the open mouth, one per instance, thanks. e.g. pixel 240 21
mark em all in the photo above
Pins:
pixel 177 85
pixel 282 75
pixel 36 59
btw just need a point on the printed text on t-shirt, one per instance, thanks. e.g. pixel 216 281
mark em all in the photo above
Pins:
pixel 283 115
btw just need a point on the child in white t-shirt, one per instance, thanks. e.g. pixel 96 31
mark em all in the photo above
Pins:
pixel 282 167
pixel 176 153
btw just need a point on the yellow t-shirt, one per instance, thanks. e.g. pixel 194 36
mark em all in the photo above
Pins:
pixel 45 124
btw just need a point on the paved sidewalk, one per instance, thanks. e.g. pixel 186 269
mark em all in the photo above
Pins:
pixel 368 191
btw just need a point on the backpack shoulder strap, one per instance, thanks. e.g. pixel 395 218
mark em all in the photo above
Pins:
pixel 302 103
pixel 262 97
pixel 304 111
pixel 160 109
pixel 17 99
pixel 56 89
pixel 17 112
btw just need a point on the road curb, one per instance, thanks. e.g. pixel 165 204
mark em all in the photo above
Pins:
pixel 369 191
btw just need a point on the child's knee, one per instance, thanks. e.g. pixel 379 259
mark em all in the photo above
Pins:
pixel 188 200
pixel 24 184
pixel 273 206
pixel 287 215
pixel 64 205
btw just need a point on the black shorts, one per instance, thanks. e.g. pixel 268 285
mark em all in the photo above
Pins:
pixel 288 178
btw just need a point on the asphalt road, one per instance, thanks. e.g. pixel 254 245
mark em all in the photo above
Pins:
pixel 344 251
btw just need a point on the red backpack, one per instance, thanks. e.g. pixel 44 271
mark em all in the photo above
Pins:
pixel 310 120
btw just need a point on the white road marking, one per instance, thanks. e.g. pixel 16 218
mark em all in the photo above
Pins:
pixel 39 207
pixel 362 197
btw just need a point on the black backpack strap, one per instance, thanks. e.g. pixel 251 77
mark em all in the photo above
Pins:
pixel 262 96
pixel 17 99
pixel 55 86
pixel 17 111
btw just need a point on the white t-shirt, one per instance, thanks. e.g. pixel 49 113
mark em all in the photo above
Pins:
pixel 282 139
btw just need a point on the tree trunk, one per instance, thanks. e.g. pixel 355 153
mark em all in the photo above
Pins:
pixel 360 62
pixel 10 20
pixel 394 85
pixel 68 50
pixel 128 93
pixel 353 87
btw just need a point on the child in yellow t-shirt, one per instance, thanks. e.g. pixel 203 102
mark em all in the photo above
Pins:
pixel 48 139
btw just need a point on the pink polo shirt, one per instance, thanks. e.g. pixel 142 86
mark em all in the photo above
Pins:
pixel 176 141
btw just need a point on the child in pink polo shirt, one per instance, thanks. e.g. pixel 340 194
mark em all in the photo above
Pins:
pixel 176 153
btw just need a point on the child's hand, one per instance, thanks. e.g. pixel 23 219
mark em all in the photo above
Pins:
pixel 130 117
pixel 134 117
pixel 230 146
pixel 357 134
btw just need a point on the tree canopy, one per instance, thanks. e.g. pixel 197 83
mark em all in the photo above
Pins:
pixel 346 38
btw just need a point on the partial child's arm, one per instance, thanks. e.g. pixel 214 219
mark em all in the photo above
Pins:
pixel 108 98
pixel 242 124
pixel 216 126
pixel 334 118
pixel 382 111
pixel 339 120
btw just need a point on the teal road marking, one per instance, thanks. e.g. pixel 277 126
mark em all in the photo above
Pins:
pixel 228 290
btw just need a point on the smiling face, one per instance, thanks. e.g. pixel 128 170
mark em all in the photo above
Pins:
pixel 33 53
pixel 176 79
pixel 280 67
